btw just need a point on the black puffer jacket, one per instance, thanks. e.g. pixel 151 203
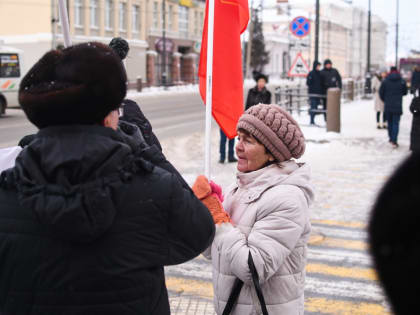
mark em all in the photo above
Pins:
pixel 331 78
pixel 86 226
pixel 133 114
pixel 314 81
pixel 391 92
pixel 256 97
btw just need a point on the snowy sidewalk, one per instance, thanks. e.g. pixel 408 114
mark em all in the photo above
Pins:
pixel 348 171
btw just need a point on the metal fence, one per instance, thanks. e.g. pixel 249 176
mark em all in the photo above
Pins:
pixel 296 98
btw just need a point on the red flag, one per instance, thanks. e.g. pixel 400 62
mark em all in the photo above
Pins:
pixel 230 20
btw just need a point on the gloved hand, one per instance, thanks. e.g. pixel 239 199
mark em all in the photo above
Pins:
pixel 211 196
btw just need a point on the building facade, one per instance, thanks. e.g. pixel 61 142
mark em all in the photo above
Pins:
pixel 342 37
pixel 34 27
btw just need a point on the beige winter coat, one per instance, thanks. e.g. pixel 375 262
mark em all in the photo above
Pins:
pixel 379 104
pixel 269 210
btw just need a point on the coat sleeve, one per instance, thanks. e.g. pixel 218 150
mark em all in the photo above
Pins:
pixel 339 82
pixel 270 242
pixel 309 80
pixel 248 100
pixel 269 97
pixel 382 92
pixel 190 225
pixel 404 88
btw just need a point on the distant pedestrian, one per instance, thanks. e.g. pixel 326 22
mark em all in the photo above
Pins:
pixel 394 236
pixel 379 104
pixel 415 80
pixel 392 90
pixel 222 148
pixel 314 83
pixel 258 94
pixel 415 125
pixel 87 224
pixel 331 78
pixel 264 218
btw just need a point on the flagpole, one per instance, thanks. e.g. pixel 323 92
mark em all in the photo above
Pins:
pixel 209 86
pixel 64 18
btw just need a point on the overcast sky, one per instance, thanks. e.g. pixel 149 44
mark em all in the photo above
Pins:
pixel 409 22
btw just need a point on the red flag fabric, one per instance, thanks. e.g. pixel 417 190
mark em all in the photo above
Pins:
pixel 230 20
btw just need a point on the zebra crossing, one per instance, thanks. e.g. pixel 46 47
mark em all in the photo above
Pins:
pixel 340 279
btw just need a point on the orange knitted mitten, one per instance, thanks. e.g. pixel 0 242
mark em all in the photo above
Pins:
pixel 204 191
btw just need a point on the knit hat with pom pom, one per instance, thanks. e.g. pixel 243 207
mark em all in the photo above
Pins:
pixel 275 129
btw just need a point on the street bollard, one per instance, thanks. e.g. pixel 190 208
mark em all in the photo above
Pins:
pixel 139 84
pixel 351 90
pixel 333 109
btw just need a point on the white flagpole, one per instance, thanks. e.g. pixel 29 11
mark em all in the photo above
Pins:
pixel 64 18
pixel 209 88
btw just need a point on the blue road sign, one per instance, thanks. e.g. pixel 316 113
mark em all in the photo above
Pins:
pixel 300 26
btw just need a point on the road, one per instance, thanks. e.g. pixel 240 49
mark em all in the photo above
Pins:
pixel 170 115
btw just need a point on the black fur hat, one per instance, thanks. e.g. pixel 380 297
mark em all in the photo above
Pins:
pixel 258 75
pixel 394 236
pixel 81 84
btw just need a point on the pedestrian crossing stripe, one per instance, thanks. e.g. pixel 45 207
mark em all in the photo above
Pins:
pixel 339 278
pixel 358 225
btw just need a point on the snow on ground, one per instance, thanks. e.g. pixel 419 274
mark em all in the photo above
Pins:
pixel 348 167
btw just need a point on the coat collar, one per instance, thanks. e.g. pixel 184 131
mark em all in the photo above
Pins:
pixel 257 182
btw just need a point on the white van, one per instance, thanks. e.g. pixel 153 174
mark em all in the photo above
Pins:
pixel 11 68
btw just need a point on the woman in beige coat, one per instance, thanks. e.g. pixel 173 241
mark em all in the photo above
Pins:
pixel 379 104
pixel 268 208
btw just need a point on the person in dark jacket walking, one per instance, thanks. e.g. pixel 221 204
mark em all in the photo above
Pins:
pixel 392 90
pixel 258 94
pixel 314 83
pixel 86 222
pixel 415 80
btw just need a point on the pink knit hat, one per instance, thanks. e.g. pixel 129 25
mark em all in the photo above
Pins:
pixel 275 129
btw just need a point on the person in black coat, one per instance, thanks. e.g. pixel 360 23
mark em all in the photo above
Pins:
pixel 415 125
pixel 394 237
pixel 392 90
pixel 314 83
pixel 415 80
pixel 330 76
pixel 258 94
pixel 87 221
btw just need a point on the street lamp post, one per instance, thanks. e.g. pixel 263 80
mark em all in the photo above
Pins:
pixel 396 33
pixel 317 31
pixel 368 86
pixel 164 43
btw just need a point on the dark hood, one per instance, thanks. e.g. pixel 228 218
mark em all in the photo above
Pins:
pixel 315 64
pixel 68 177
pixel 394 76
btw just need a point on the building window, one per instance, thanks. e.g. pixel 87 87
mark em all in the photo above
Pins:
pixel 94 14
pixel 183 21
pixel 109 21
pixel 135 20
pixel 123 16
pixel 170 17
pixel 155 14
pixel 78 13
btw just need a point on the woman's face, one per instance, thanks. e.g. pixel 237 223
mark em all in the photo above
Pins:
pixel 251 154
pixel 261 83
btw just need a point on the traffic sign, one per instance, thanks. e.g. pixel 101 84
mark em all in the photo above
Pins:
pixel 300 26
pixel 299 68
